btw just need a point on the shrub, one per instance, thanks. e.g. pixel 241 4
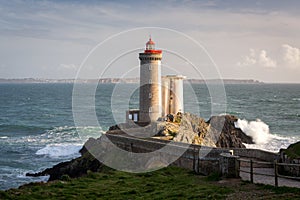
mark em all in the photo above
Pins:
pixel 65 177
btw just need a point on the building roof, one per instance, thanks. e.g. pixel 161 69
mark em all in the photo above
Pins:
pixel 150 42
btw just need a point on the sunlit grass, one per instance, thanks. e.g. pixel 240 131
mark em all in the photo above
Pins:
pixel 168 183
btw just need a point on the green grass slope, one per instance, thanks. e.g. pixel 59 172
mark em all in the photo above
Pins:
pixel 168 183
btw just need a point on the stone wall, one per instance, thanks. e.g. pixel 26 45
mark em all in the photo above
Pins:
pixel 203 160
pixel 256 154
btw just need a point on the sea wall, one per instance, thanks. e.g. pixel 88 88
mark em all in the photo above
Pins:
pixel 125 152
pixel 256 154
pixel 204 160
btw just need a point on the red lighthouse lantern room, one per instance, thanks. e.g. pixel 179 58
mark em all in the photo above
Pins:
pixel 150 47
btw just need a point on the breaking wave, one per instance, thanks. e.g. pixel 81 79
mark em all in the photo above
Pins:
pixel 258 130
pixel 60 150
pixel 262 137
pixel 65 141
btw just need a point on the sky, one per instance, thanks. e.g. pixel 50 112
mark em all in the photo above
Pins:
pixel 67 39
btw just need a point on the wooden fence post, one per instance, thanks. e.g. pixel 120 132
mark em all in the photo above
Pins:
pixel 237 167
pixel 194 160
pixel 276 173
pixel 198 161
pixel 251 171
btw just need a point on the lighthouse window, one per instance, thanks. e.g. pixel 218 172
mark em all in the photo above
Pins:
pixel 150 67
pixel 150 47
pixel 150 81
pixel 150 109
pixel 150 95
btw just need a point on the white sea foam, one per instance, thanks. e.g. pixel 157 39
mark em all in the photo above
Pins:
pixel 275 144
pixel 262 137
pixel 258 130
pixel 60 150
pixel 3 137
pixel 64 133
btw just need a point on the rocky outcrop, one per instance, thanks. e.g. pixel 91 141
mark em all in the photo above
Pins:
pixel 222 128
pixel 293 151
pixel 291 155
pixel 74 168
pixel 194 130
pixel 218 131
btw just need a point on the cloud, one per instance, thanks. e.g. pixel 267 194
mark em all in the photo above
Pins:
pixel 288 57
pixel 250 60
pixel 266 61
pixel 67 30
pixel 291 56
pixel 261 59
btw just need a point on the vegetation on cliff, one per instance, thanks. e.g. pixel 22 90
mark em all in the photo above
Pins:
pixel 293 151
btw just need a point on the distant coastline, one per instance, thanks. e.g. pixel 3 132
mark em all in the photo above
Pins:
pixel 121 80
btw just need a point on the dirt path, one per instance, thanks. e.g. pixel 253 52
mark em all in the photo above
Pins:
pixel 269 180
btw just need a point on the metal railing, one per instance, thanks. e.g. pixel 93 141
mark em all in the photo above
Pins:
pixel 274 165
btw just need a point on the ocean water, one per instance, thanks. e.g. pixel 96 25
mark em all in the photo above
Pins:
pixel 37 129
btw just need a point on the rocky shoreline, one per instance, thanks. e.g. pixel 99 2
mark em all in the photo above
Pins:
pixel 218 131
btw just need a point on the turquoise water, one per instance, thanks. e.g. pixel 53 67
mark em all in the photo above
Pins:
pixel 37 129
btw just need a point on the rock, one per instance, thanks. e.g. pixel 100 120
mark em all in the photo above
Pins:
pixel 293 151
pixel 168 129
pixel 222 127
pixel 291 155
pixel 219 131
pixel 114 127
pixel 193 130
pixel 74 168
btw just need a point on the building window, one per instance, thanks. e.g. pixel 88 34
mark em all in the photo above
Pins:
pixel 150 95
pixel 135 117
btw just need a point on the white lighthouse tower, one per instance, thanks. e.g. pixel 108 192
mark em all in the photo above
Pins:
pixel 150 83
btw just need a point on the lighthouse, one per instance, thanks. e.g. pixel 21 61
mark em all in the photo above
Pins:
pixel 159 96
pixel 150 83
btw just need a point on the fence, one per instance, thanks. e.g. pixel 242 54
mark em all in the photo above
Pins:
pixel 260 164
pixel 204 160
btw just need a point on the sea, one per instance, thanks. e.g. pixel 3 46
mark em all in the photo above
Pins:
pixel 37 128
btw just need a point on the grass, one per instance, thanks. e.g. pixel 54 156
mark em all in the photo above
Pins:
pixel 293 151
pixel 168 183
